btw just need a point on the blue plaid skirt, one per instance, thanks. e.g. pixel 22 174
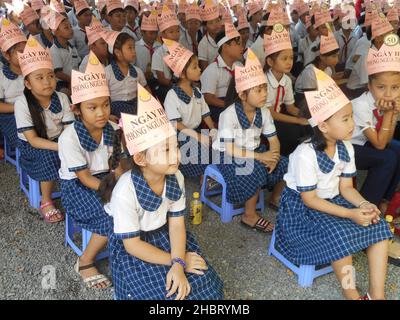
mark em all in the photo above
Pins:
pixel 123 106
pixel 135 279
pixel 194 157
pixel 307 236
pixel 85 207
pixel 245 176
pixel 39 164
pixel 8 127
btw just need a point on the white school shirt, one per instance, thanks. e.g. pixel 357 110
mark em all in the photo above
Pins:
pixel 72 18
pixel 181 107
pixel 134 33
pixel 232 124
pixel 124 88
pixel 313 170
pixel 208 49
pixel 55 115
pixel 360 48
pixel 79 41
pixel 11 85
pixel 273 86
pixel 309 55
pixel 135 207
pixel 304 44
pixel 215 79
pixel 78 150
pixel 301 29
pixel 253 32
pixel 359 75
pixel 143 57
pixel 363 114
pixel 294 37
pixel 65 60
pixel 341 42
pixel 158 64
pixel 258 48
pixel 307 80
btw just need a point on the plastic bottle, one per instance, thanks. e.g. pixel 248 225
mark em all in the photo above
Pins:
pixel 196 209
pixel 389 219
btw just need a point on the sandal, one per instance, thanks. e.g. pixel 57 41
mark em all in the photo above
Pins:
pixel 93 281
pixel 261 225
pixel 366 297
pixel 48 216
pixel 273 206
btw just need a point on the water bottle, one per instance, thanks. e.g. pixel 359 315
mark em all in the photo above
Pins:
pixel 389 220
pixel 196 208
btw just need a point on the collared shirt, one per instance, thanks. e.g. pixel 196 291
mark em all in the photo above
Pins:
pixel 72 18
pixel 11 85
pixel 78 150
pixel 301 29
pixel 359 75
pixel 181 107
pixel 55 116
pixel 345 45
pixel 186 41
pixel 283 88
pixel 360 48
pixel 135 207
pixel 135 32
pixel 304 44
pixel 143 54
pixel 310 169
pixel 258 48
pixel 208 49
pixel 253 32
pixel 64 59
pixel 158 64
pixel 80 42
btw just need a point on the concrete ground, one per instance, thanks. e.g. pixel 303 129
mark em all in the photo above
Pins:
pixel 34 264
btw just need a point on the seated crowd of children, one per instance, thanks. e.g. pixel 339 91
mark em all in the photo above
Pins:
pixel 120 102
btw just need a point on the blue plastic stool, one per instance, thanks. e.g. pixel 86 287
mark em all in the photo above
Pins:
pixel 11 154
pixel 31 188
pixel 71 230
pixel 305 273
pixel 226 210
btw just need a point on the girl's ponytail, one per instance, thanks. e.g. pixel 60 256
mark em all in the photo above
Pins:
pixel 36 112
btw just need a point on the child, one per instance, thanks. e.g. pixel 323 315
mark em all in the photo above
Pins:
pixel 45 37
pixel 289 125
pixel 376 115
pixel 301 26
pixel 95 34
pixel 116 15
pixel 345 39
pixel 308 41
pixel 152 256
pixel 242 25
pixel 131 8
pixel 191 37
pixel 30 19
pixel 186 107
pixel 246 165
pixel 360 47
pixel 72 14
pixel 85 149
pixel 146 47
pixel 41 114
pixel 254 17
pixel 208 49
pixel 122 75
pixel 84 16
pixel 258 46
pixel 169 29
pixel 322 218
pixel 12 41
pixel 215 79
pixel 65 57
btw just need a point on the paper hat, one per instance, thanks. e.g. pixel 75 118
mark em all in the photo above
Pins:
pixel 101 4
pixel 387 58
pixel 95 31
pixel 15 6
pixel 322 17
pixel 34 57
pixel 132 3
pixel 10 35
pixel 276 16
pixel 193 12
pixel 380 25
pixel 149 127
pixel 369 16
pixel 182 7
pixel 253 8
pixel 36 4
pixel 278 40
pixel 177 56
pixel 328 44
pixel 57 6
pixel 149 23
pixel 225 14
pixel 167 19
pixel 80 5
pixel 53 19
pixel 251 75
pixel 326 101
pixel 302 8
pixel 113 5
pixel 110 37
pixel 230 33
pixel 393 15
pixel 91 84
pixel 242 20
pixel 170 4
pixel 210 11
pixel 28 15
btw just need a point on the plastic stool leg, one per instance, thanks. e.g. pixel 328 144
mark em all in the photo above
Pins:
pixel 34 193
pixel 271 247
pixel 306 275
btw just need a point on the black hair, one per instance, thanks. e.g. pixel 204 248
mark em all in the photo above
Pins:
pixel 375 75
pixel 369 33
pixel 104 10
pixel 231 94
pixel 82 12
pixel 263 26
pixel 273 57
pixel 122 38
pixel 131 7
pixel 37 114
pixel 115 10
pixel 220 35
pixel 317 59
pixel 176 79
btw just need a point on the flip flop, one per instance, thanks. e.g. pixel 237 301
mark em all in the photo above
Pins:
pixel 261 225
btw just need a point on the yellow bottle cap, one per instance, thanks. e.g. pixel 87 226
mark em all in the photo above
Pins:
pixel 196 195
pixel 389 218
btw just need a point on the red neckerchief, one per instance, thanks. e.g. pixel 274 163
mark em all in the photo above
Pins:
pixel 151 49
pixel 210 42
pixel 379 118
pixel 345 48
pixel 280 88
pixel 232 72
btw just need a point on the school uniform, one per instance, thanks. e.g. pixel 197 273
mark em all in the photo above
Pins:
pixel 360 48
pixel 134 32
pixel 307 236
pixel 253 32
pixel 123 89
pixel 307 81
pixel 208 49
pixel 186 41
pixel 158 64
pixel 179 106
pixel 301 29
pixel 72 18
pixel 346 45
pixel 78 151
pixel 80 42
pixel 383 165
pixel 139 212
pixel 65 60
pixel 41 38
pixel 11 87
pixel 215 79
pixel 245 176
pixel 144 54
pixel 310 53
pixel 42 164
pixel 258 48
pixel 304 44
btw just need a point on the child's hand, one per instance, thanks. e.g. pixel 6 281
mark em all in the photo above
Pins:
pixel 177 281
pixel 396 105
pixel 362 216
pixel 195 263
pixel 114 118
pixel 384 105
pixel 374 209
pixel 271 166
pixel 269 157
pixel 303 122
